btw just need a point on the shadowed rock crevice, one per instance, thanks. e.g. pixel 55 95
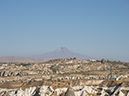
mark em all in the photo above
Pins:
pixel 69 92
pixel 37 93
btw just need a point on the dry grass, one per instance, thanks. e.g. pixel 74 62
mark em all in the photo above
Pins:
pixel 61 83
pixel 91 94
pixel 125 92
pixel 99 89
pixel 10 85
pixel 112 83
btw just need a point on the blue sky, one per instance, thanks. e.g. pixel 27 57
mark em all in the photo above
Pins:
pixel 97 28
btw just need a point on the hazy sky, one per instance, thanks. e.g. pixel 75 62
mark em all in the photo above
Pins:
pixel 97 28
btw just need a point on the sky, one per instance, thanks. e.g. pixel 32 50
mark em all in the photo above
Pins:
pixel 97 28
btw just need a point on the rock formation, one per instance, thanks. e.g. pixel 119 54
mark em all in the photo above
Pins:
pixel 103 61
pixel 70 92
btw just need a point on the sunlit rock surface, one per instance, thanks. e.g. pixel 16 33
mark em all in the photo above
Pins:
pixel 70 91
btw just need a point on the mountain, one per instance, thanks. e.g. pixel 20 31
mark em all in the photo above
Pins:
pixel 62 52
pixel 21 59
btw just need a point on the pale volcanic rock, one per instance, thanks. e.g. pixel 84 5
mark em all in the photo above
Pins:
pixel 71 91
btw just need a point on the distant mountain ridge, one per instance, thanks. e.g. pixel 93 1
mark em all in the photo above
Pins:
pixel 62 52
pixel 15 59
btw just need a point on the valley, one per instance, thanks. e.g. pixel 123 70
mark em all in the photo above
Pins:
pixel 63 73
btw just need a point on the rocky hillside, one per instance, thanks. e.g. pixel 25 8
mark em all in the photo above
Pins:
pixel 65 66
pixel 64 77
pixel 42 88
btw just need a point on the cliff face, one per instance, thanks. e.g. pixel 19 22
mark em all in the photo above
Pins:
pixel 71 91
pixel 64 88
